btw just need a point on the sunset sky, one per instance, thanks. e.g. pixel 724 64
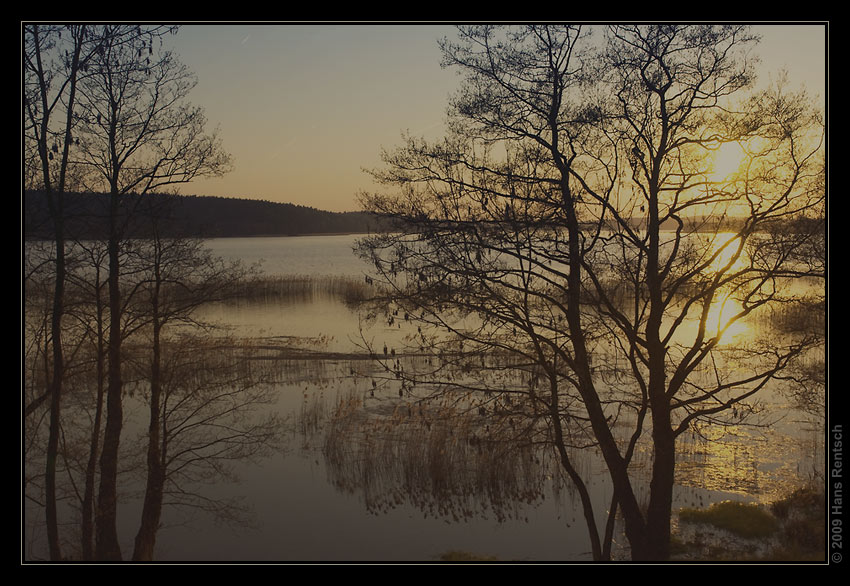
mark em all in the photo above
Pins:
pixel 303 108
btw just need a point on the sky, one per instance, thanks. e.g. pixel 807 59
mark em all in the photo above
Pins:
pixel 303 109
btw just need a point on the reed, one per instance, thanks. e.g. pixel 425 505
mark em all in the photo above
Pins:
pixel 446 461
pixel 807 315
pixel 304 288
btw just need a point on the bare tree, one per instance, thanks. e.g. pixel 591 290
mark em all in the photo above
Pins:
pixel 573 219
pixel 52 66
pixel 215 411
pixel 180 275
pixel 92 284
pixel 83 361
pixel 202 413
pixel 137 134
pixel 674 87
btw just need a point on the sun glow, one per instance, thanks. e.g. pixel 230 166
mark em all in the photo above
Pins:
pixel 726 162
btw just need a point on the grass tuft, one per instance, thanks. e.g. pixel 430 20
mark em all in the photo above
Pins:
pixel 742 519
pixel 790 529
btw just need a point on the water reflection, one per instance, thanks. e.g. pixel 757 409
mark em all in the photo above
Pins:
pixel 397 454
pixel 215 414
pixel 727 251
pixel 761 463
pixel 420 475
pixel 722 320
pixel 448 459
pixel 374 476
pixel 440 458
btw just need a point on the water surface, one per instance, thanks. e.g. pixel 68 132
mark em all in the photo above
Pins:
pixel 304 513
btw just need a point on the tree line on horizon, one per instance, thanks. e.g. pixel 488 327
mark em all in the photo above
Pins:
pixel 204 216
pixel 194 216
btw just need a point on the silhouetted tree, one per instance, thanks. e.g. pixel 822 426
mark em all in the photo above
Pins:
pixel 137 134
pixel 92 283
pixel 573 221
pixel 179 276
pixel 216 407
pixel 83 366
pixel 52 66
pixel 202 412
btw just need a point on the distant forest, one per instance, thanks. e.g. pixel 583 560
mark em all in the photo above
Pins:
pixel 188 216
pixel 220 217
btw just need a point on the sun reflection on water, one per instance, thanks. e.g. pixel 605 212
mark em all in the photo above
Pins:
pixel 728 253
pixel 721 319
pixel 729 257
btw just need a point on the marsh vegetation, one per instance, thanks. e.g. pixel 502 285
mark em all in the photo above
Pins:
pixel 788 529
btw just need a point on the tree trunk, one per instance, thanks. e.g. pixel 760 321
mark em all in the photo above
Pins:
pixel 664 456
pixel 586 503
pixel 634 521
pixel 664 453
pixel 152 508
pixel 88 509
pixel 661 492
pixel 107 545
pixel 56 383
pixel 609 529
pixel 663 441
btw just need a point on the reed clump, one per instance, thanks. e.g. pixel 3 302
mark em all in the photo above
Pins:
pixel 432 456
pixel 305 288
pixel 803 521
pixel 807 315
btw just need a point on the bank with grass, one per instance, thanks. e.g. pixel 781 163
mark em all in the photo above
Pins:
pixel 791 529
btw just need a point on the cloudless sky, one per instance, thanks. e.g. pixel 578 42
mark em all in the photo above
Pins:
pixel 304 108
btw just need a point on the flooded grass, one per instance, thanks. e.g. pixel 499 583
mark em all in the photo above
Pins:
pixel 444 461
pixel 745 520
pixel 803 526
pixel 305 288
pixel 789 529
pixel 807 315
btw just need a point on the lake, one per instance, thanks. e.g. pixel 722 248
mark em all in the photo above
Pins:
pixel 335 490
pixel 302 516
pixel 306 513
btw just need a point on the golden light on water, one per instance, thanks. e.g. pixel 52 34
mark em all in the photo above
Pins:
pixel 722 311
pixel 729 259
pixel 727 253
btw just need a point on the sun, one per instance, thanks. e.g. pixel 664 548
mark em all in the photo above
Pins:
pixel 726 162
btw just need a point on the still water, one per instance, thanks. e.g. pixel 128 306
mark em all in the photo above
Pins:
pixel 305 507
pixel 300 513
pixel 298 255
